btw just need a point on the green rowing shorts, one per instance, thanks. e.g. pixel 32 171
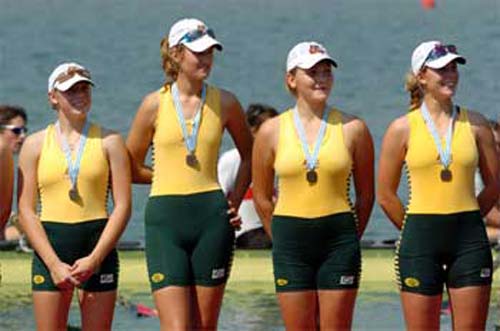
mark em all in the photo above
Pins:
pixel 189 240
pixel 316 254
pixel 71 242
pixel 437 250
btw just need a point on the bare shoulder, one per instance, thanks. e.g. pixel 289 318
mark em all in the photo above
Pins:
pixel 150 103
pixel 228 100
pixel 111 137
pixel 476 118
pixel 353 123
pixel 399 127
pixel 32 145
pixel 270 127
pixel 35 140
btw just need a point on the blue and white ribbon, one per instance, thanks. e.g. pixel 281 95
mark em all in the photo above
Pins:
pixel 311 159
pixel 444 154
pixel 190 140
pixel 73 167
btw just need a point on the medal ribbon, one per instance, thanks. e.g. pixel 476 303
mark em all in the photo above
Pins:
pixel 73 168
pixel 311 159
pixel 189 139
pixel 444 155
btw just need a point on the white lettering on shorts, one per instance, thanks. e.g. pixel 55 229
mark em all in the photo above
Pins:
pixel 107 279
pixel 485 273
pixel 346 280
pixel 218 273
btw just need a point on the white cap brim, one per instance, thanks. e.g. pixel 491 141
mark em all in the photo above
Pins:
pixel 444 60
pixel 202 44
pixel 64 86
pixel 311 61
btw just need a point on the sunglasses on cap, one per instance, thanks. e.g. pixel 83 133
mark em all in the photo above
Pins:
pixel 17 130
pixel 441 50
pixel 71 72
pixel 197 34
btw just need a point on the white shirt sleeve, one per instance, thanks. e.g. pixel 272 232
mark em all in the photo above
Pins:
pixel 227 169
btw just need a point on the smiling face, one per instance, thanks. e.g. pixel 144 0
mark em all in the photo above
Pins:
pixel 314 84
pixel 195 65
pixel 441 83
pixel 75 101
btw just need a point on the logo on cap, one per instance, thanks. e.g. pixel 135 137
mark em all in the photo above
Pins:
pixel 313 49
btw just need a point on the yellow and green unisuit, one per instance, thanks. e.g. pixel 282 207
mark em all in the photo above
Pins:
pixel 74 227
pixel 189 240
pixel 443 239
pixel 315 243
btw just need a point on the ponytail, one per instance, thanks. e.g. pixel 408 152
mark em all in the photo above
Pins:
pixel 413 87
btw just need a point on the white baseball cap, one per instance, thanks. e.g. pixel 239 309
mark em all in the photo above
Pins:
pixel 434 54
pixel 68 74
pixel 194 34
pixel 306 54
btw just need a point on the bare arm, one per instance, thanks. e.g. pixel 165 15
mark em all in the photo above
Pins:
pixel 6 185
pixel 234 120
pixel 263 171
pixel 488 162
pixel 392 156
pixel 118 159
pixel 28 218
pixel 360 143
pixel 140 138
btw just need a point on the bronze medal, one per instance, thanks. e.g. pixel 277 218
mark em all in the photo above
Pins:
pixel 312 176
pixel 73 193
pixel 191 160
pixel 446 175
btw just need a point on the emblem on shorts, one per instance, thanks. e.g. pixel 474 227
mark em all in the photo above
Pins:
pixel 412 282
pixel 347 280
pixel 281 281
pixel 485 273
pixel 218 273
pixel 107 278
pixel 38 279
pixel 157 277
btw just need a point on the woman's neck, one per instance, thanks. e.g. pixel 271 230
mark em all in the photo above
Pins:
pixel 308 111
pixel 188 87
pixel 435 106
pixel 69 126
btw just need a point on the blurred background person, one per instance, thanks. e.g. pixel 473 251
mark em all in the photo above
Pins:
pixel 251 233
pixel 12 134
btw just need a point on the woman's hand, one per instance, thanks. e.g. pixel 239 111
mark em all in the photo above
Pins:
pixel 234 217
pixel 83 268
pixel 62 277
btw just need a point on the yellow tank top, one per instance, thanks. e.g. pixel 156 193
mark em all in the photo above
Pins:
pixel 428 194
pixel 171 174
pixel 330 194
pixel 54 183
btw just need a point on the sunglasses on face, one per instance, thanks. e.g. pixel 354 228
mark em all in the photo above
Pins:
pixel 441 50
pixel 17 130
pixel 71 72
pixel 197 34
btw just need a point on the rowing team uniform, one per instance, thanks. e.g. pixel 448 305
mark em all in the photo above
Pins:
pixel 74 226
pixel 443 239
pixel 314 227
pixel 189 240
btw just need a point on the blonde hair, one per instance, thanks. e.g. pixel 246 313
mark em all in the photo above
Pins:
pixel 168 63
pixel 413 87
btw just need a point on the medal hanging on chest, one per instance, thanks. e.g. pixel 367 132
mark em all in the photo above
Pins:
pixel 445 156
pixel 311 161
pixel 73 167
pixel 190 140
